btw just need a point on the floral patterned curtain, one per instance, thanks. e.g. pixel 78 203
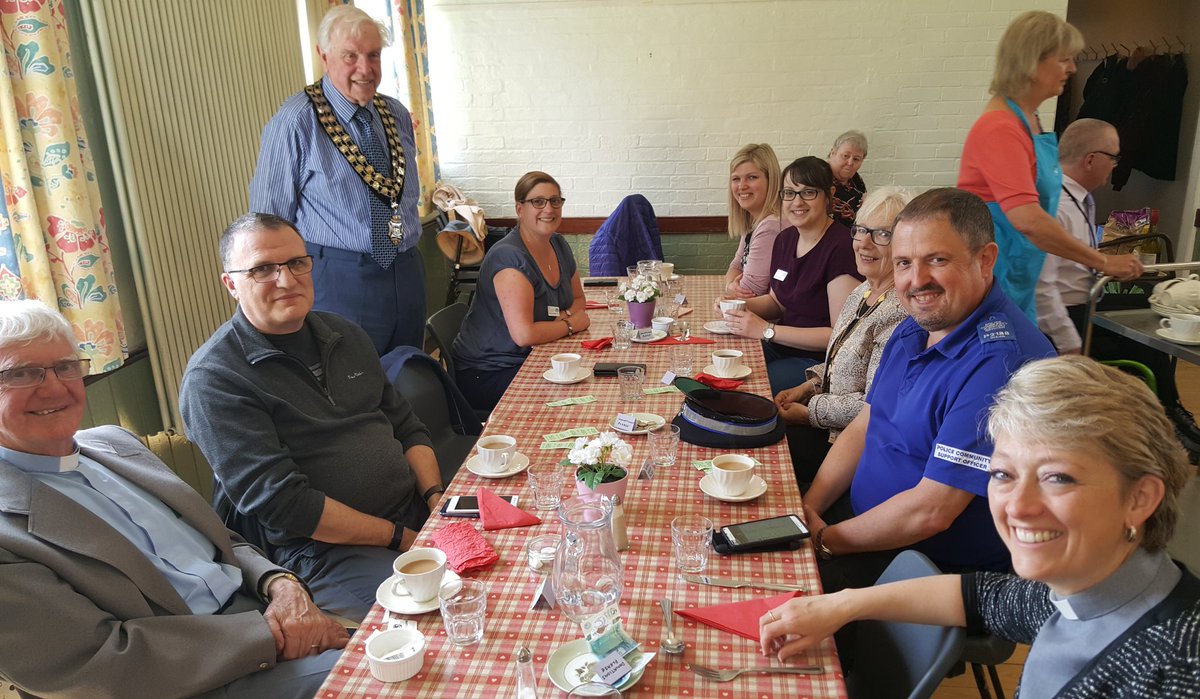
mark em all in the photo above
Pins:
pixel 409 15
pixel 53 245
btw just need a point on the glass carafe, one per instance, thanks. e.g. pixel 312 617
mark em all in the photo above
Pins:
pixel 588 576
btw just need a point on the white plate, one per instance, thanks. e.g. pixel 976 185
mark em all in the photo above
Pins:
pixel 518 463
pixel 742 372
pixel 403 604
pixel 581 374
pixel 1162 332
pixel 718 327
pixel 656 421
pixel 1168 311
pixel 757 487
pixel 563 663
pixel 655 336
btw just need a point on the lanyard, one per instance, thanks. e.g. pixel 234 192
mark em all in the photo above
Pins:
pixel 1091 227
pixel 862 312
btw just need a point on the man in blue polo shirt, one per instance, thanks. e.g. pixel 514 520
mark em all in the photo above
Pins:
pixel 915 460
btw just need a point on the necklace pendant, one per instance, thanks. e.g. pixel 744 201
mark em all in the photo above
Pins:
pixel 396 230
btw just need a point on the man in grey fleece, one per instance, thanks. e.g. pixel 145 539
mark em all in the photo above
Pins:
pixel 315 454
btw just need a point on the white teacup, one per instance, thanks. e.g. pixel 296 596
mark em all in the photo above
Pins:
pixel 668 269
pixel 727 362
pixel 732 473
pixel 729 305
pixel 662 323
pixel 1185 293
pixel 495 451
pixel 565 364
pixel 1183 326
pixel 418 573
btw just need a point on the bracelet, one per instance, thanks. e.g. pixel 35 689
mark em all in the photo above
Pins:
pixel 397 536
pixel 432 491
pixel 822 550
pixel 570 330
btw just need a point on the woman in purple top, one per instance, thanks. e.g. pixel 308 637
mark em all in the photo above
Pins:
pixel 812 274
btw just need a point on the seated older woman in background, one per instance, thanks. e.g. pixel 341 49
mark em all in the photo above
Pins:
pixel 529 294
pixel 1084 490
pixel 754 183
pixel 845 158
pixel 812 274
pixel 820 408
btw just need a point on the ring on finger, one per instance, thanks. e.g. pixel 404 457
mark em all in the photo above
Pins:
pixel 771 613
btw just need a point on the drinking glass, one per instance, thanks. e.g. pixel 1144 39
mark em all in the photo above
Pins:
pixel 464 607
pixel 664 443
pixel 691 541
pixel 546 482
pixel 593 689
pixel 616 304
pixel 681 359
pixel 540 552
pixel 622 334
pixel 631 379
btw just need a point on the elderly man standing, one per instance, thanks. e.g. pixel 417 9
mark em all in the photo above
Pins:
pixel 335 161
pixel 116 578
pixel 312 448
pixel 915 460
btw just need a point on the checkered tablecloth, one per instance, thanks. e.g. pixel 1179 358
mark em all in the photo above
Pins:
pixel 487 669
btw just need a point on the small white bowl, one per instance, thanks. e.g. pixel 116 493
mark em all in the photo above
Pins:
pixel 395 655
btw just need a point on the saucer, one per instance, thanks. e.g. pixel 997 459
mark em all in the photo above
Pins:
pixel 718 327
pixel 518 463
pixel 656 421
pixel 655 336
pixel 1162 332
pixel 581 374
pixel 757 487
pixel 563 665
pixel 674 278
pixel 403 604
pixel 742 372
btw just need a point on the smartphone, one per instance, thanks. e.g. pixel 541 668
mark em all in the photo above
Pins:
pixel 468 505
pixel 600 281
pixel 762 533
pixel 610 368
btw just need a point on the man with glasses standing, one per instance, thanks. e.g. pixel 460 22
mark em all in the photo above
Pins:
pixel 315 454
pixel 338 161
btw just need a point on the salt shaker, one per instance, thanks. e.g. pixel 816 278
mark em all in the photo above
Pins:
pixel 526 677
pixel 620 533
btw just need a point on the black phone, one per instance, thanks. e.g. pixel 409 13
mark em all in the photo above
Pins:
pixel 468 505
pixel 610 368
pixel 600 281
pixel 762 533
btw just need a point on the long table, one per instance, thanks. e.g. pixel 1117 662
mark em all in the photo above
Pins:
pixel 487 669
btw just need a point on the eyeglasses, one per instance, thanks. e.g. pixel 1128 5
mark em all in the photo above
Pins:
pixel 28 376
pixel 879 236
pixel 1116 157
pixel 540 202
pixel 269 272
pixel 807 194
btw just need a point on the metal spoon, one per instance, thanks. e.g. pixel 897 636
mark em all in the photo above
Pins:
pixel 670 645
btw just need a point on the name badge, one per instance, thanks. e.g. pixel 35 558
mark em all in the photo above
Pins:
pixel 552 311
pixel 668 378
pixel 680 299
pixel 612 668
pixel 625 422
pixel 780 275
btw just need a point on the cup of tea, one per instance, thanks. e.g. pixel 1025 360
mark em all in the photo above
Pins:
pixel 730 305
pixel 667 269
pixel 418 573
pixel 727 362
pixel 662 323
pixel 495 451
pixel 1184 326
pixel 732 473
pixel 565 365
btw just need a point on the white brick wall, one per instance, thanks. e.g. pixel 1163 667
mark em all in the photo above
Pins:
pixel 654 96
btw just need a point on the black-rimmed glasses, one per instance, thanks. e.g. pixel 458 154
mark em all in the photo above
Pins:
pixel 879 236
pixel 269 272
pixel 28 376
pixel 1116 157
pixel 807 194
pixel 540 202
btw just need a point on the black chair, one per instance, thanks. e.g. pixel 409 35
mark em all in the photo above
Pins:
pixel 903 660
pixel 443 327
pixel 452 428
pixel 987 652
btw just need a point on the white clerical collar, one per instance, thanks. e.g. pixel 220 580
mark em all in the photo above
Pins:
pixel 38 463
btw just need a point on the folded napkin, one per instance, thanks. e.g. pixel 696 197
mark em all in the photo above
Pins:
pixel 739 618
pixel 693 340
pixel 596 306
pixel 495 513
pixel 602 343
pixel 466 551
pixel 718 382
pixel 684 311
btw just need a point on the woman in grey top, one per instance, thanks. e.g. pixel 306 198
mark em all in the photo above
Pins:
pixel 529 294
pixel 1084 489
pixel 835 392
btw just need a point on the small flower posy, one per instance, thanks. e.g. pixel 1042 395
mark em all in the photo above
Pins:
pixel 640 289
pixel 606 457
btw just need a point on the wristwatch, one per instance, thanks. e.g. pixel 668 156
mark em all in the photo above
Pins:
pixel 819 546
pixel 769 333
pixel 265 585
pixel 397 536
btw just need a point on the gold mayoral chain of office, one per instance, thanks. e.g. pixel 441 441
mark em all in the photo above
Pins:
pixel 387 187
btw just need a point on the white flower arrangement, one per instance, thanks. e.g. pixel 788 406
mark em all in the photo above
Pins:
pixel 605 458
pixel 640 289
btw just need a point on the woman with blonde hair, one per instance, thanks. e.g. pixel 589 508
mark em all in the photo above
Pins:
pixel 754 184
pixel 1084 491
pixel 1013 165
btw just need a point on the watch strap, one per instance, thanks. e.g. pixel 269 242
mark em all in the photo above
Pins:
pixel 433 490
pixel 397 536
pixel 265 586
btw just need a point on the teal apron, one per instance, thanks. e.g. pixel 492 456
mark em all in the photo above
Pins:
pixel 1020 261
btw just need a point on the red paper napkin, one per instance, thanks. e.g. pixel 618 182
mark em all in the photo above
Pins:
pixel 739 618
pixel 602 343
pixel 466 550
pixel 693 340
pixel 495 513
pixel 596 306
pixel 718 382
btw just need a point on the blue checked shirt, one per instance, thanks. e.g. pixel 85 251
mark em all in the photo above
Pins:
pixel 302 177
